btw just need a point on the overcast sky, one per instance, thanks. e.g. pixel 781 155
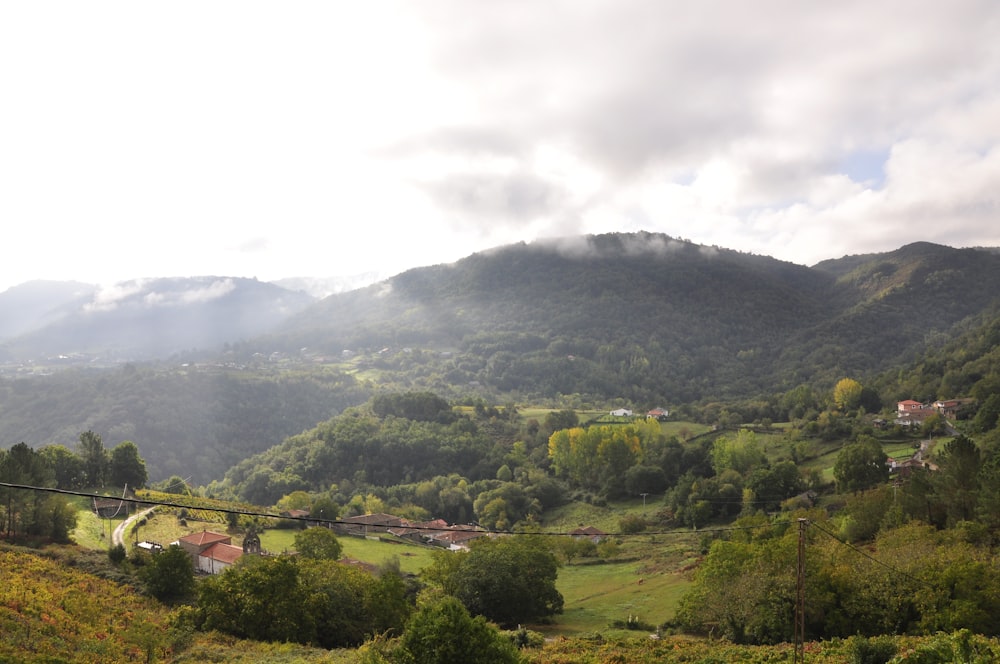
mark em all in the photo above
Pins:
pixel 325 138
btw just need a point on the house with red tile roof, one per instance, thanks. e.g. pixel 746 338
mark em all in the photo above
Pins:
pixel 210 552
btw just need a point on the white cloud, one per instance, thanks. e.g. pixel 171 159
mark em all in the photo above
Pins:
pixel 315 139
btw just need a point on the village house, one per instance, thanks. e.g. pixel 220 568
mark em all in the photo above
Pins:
pixel 912 413
pixel 950 408
pixel 658 414
pixel 210 552
pixel 367 524
pixel 438 533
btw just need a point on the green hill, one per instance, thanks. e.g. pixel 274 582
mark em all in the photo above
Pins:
pixel 641 320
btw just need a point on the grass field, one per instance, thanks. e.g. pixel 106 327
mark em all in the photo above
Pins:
pixel 412 558
pixel 597 595
pixel 92 532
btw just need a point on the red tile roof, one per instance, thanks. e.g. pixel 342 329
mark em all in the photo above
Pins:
pixel 205 537
pixel 223 553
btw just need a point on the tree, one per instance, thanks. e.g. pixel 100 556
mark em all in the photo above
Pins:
pixel 262 599
pixel 641 479
pixel 175 485
pixel 860 466
pixel 26 511
pixel 324 509
pixel 957 481
pixel 574 547
pixel 67 466
pixel 169 574
pixel 988 414
pixel 509 580
pixel 847 394
pixel 561 419
pixel 742 453
pixel 348 604
pixel 126 466
pixel 772 485
pixel 318 543
pixel 443 632
pixel 94 457
pixel 287 598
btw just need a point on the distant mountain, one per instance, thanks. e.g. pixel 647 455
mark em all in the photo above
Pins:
pixel 151 318
pixel 320 287
pixel 36 304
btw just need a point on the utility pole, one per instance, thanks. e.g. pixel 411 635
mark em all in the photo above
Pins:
pixel 800 598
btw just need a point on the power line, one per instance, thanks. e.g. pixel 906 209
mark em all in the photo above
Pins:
pixel 857 550
pixel 312 519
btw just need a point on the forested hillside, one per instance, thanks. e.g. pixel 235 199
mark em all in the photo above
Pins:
pixel 188 422
pixel 638 320
pixel 647 317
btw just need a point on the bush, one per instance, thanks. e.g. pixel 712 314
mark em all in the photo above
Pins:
pixel 878 650
pixel 631 524
pixel 444 633
pixel 116 554
pixel 522 638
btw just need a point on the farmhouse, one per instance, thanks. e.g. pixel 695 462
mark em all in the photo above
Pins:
pixel 659 414
pixel 950 408
pixel 210 552
pixel 621 412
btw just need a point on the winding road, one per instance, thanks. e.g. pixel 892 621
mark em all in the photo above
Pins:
pixel 118 535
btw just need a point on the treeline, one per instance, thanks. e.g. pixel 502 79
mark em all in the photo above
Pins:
pixel 35 513
pixel 361 449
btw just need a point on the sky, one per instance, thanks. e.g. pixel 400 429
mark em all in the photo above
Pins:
pixel 316 139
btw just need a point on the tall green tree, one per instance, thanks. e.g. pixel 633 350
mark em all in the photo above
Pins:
pixel 860 466
pixel 509 580
pixel 349 604
pixel 26 512
pixel 169 575
pixel 66 466
pixel 126 467
pixel 318 543
pixel 94 457
pixel 262 600
pixel 741 452
pixel 957 480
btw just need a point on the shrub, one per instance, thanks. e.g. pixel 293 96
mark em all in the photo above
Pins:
pixel 878 650
pixel 631 524
pixel 116 554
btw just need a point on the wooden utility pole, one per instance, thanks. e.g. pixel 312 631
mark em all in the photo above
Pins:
pixel 800 598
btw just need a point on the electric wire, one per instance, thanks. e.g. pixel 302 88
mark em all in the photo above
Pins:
pixel 334 522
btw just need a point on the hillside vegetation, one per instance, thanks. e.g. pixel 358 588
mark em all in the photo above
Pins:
pixel 638 320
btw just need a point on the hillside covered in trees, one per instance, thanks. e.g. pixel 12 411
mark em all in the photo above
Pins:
pixel 639 320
